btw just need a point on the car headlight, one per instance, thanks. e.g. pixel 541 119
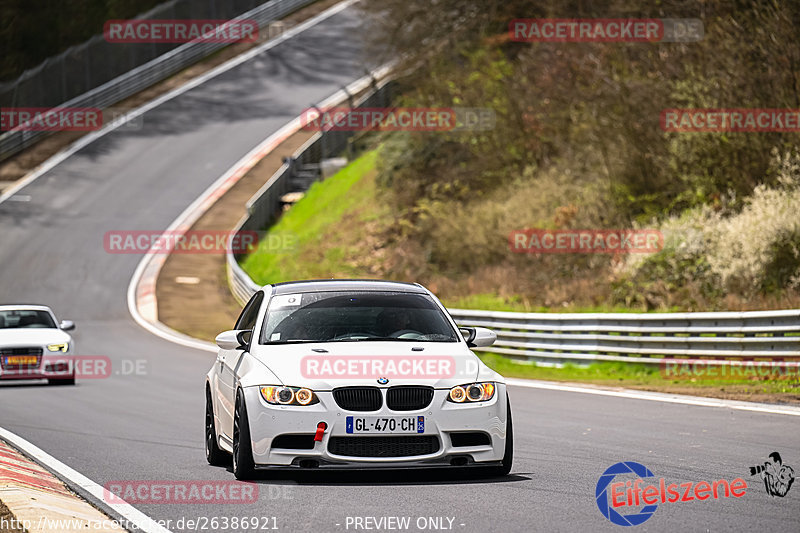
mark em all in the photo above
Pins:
pixel 288 395
pixel 61 347
pixel 472 392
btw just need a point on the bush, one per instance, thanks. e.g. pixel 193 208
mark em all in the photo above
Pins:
pixel 751 250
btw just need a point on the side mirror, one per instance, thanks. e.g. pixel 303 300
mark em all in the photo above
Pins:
pixel 478 337
pixel 234 339
pixel 469 335
pixel 244 337
pixel 67 325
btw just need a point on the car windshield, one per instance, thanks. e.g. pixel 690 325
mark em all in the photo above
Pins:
pixel 27 318
pixel 352 316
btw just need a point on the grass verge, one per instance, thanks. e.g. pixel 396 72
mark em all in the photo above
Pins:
pixel 327 225
pixel 493 302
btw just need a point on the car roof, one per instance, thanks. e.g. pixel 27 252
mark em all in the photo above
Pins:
pixel 25 307
pixel 344 285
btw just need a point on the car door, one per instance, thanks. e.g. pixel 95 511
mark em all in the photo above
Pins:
pixel 228 360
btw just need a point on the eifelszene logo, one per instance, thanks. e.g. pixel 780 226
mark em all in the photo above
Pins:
pixel 778 477
pixel 613 498
pixel 602 496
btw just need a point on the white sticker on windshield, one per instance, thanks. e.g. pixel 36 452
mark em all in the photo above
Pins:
pixel 286 300
pixel 275 337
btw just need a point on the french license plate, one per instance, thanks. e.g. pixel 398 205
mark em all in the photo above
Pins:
pixel 385 424
pixel 22 360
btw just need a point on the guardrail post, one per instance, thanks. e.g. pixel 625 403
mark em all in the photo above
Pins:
pixel 350 103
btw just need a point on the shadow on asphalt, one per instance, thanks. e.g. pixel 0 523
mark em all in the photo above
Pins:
pixel 10 384
pixel 438 476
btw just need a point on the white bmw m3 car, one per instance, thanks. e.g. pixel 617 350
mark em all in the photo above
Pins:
pixel 354 374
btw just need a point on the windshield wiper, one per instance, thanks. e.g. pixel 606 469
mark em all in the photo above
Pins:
pixel 362 339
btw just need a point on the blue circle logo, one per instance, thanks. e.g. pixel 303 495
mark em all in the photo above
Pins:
pixel 383 381
pixel 604 501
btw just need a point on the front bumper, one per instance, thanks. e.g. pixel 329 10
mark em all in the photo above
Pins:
pixel 49 366
pixel 442 419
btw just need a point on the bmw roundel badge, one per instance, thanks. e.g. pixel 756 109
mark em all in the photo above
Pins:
pixel 383 381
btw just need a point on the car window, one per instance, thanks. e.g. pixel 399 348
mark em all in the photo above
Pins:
pixel 247 320
pixel 27 318
pixel 352 316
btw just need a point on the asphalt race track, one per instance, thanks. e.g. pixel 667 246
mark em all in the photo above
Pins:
pixel 151 426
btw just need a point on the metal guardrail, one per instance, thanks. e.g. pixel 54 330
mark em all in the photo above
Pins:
pixel 148 74
pixel 242 286
pixel 653 338
pixel 640 338
pixel 557 338
pixel 265 205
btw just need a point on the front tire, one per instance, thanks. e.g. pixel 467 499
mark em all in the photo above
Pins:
pixel 214 455
pixel 62 381
pixel 243 464
pixel 508 456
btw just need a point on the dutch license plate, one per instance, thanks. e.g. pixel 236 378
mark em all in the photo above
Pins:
pixel 21 360
pixel 385 424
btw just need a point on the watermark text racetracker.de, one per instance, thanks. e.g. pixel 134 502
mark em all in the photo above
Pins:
pixel 212 523
pixel 195 242
pixel 697 370
pixel 180 31
pixel 192 492
pixel 605 30
pixel 390 367
pixel 452 119
pixel 717 120
pixel 50 119
pixel 67 119
pixel 586 241
pixel 81 366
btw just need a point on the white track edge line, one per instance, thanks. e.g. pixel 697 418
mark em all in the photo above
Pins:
pixel 158 328
pixel 127 511
pixel 191 84
pixel 124 509
pixel 192 213
pixel 660 397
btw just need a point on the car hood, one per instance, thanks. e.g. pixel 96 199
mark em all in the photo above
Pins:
pixel 21 337
pixel 324 366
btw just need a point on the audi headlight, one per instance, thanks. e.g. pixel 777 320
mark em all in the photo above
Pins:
pixel 472 392
pixel 288 395
pixel 61 347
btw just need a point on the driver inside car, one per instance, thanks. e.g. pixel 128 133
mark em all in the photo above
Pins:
pixel 391 322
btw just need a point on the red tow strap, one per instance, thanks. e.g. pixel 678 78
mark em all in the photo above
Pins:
pixel 321 427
